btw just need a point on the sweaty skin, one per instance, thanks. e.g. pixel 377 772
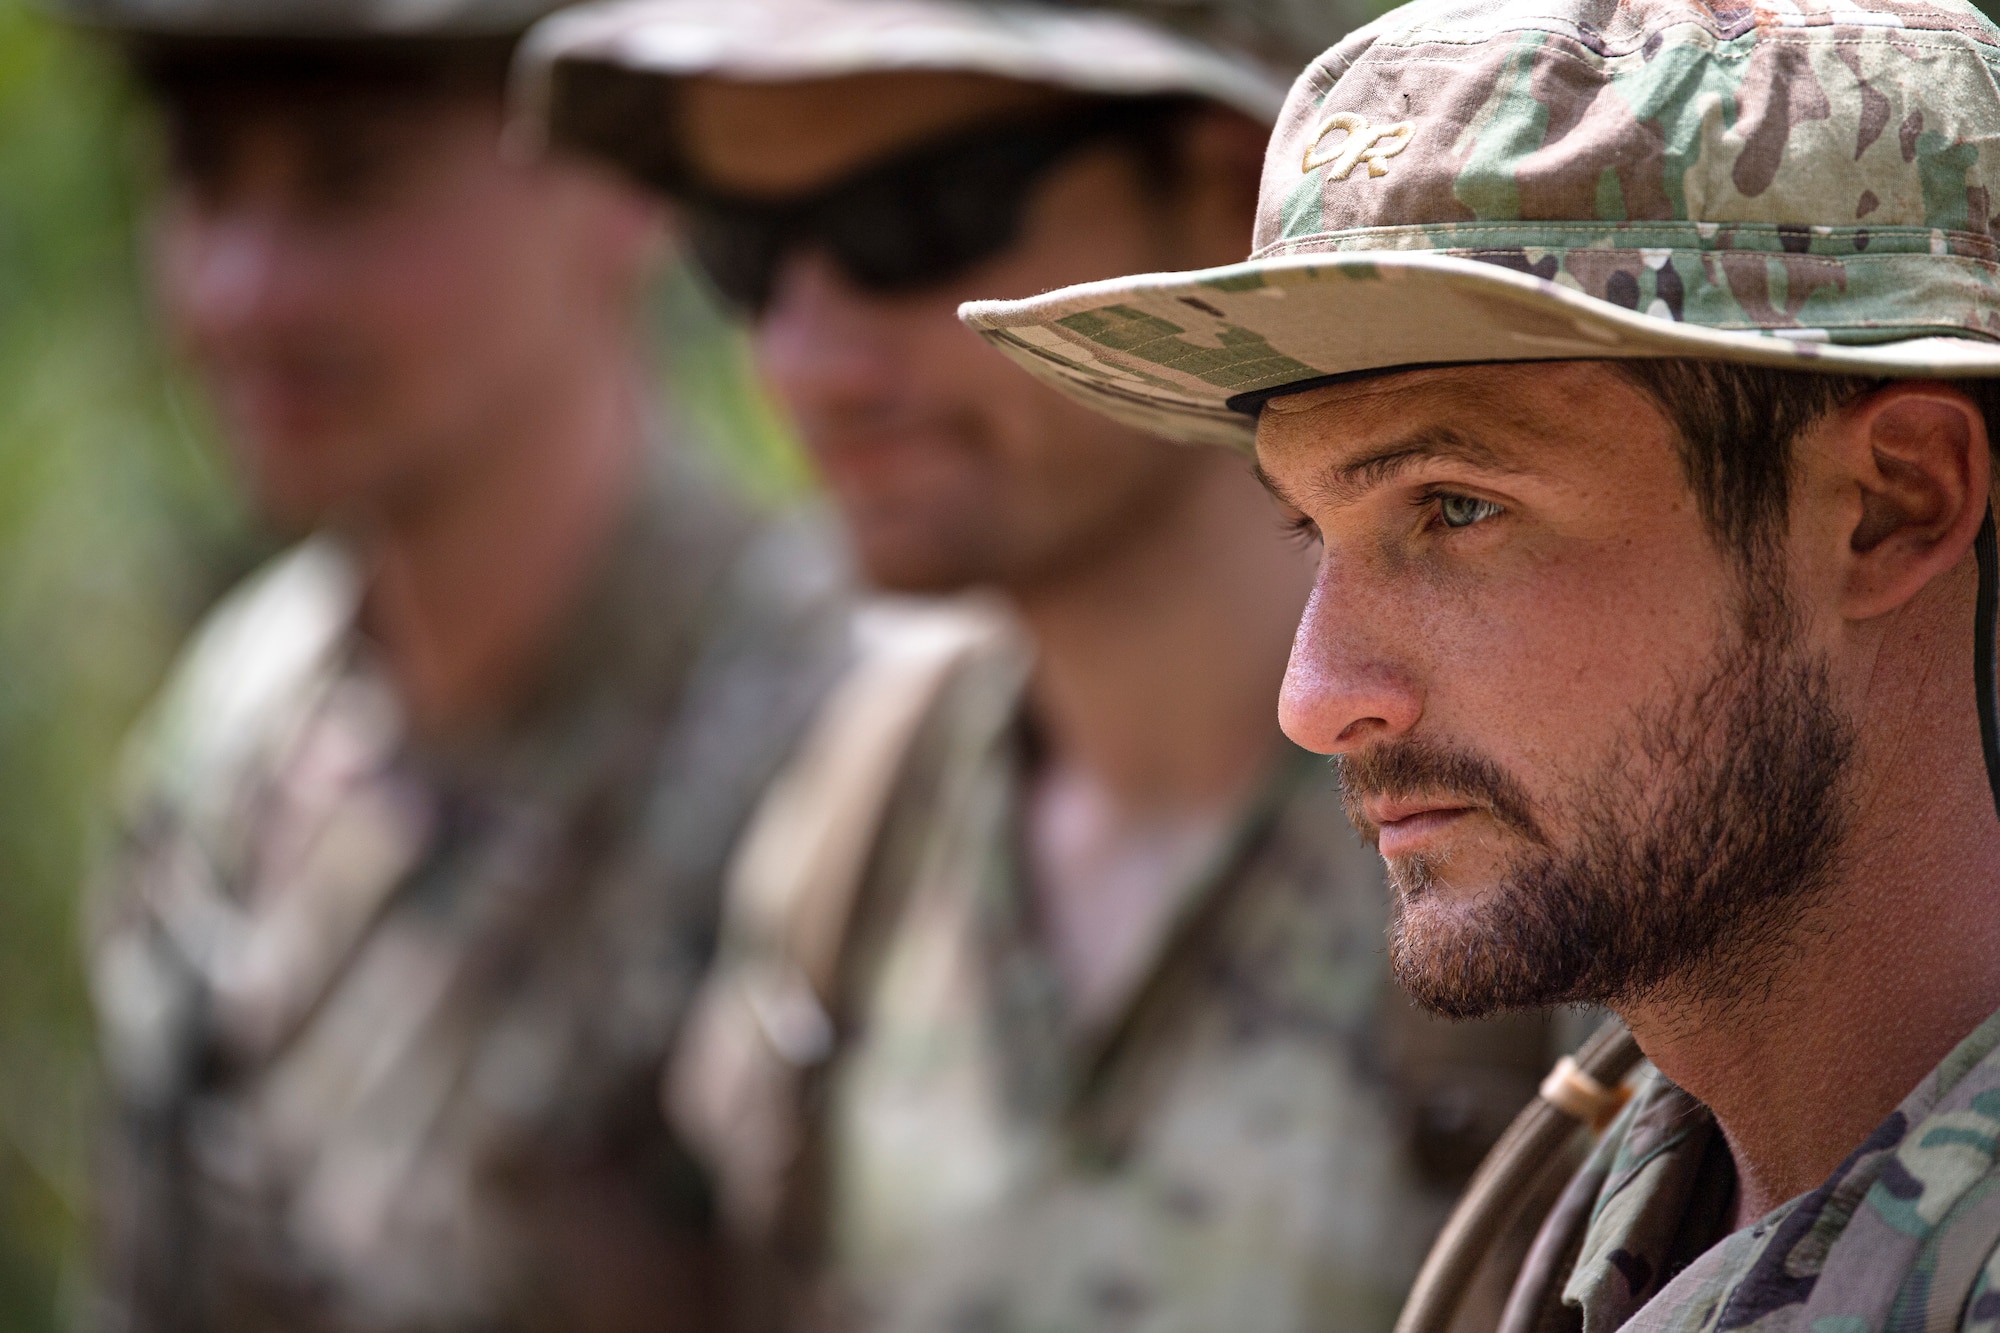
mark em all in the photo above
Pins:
pixel 424 341
pixel 1575 586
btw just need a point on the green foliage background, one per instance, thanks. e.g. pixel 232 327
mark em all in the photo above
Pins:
pixel 114 527
pixel 118 525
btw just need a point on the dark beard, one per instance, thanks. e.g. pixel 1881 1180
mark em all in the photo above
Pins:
pixel 1700 844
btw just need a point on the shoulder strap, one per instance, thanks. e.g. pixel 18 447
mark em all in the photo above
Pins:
pixel 1580 1090
pixel 258 669
pixel 250 669
pixel 761 1020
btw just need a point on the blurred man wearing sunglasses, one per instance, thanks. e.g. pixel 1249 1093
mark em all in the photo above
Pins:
pixel 1105 1039
pixel 421 853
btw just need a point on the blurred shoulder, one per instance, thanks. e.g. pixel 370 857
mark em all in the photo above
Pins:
pixel 794 578
pixel 1306 894
pixel 247 673
pixel 1306 954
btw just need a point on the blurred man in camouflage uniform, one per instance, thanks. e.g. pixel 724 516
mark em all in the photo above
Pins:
pixel 421 849
pixel 1638 368
pixel 1098 1035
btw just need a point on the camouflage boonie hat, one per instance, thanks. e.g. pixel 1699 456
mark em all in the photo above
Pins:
pixel 1104 49
pixel 286 19
pixel 1804 183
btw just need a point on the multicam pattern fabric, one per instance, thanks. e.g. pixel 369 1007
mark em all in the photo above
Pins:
pixel 1811 183
pixel 385 1015
pixel 1262 1136
pixel 1900 1239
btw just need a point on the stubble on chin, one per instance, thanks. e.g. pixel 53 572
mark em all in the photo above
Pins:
pixel 1689 864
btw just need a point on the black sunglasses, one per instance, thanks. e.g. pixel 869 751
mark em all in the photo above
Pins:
pixel 921 217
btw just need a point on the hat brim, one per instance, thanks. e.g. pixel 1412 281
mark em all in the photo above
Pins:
pixel 784 41
pixel 248 21
pixel 1168 352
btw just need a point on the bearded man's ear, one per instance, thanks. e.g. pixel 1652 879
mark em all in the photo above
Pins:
pixel 1913 459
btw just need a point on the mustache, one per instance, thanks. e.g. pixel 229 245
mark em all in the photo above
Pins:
pixel 1414 768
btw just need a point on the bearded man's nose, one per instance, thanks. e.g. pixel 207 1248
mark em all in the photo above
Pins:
pixel 1341 693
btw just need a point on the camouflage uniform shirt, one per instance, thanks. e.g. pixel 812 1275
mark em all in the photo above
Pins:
pixel 1872 1249
pixel 384 1016
pixel 1263 1136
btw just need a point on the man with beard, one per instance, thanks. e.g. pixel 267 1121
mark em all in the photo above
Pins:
pixel 421 852
pixel 1631 366
pixel 1099 1033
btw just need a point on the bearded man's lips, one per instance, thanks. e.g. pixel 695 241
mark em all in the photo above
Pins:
pixel 1403 824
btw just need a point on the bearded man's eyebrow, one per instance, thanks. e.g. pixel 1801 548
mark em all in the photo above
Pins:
pixel 1273 485
pixel 1352 478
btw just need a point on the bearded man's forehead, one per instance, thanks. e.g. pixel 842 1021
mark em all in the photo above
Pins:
pixel 1496 417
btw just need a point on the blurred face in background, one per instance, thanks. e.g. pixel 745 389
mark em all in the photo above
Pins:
pixel 375 291
pixel 951 466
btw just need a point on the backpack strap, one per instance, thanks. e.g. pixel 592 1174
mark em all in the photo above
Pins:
pixel 762 1020
pixel 1581 1090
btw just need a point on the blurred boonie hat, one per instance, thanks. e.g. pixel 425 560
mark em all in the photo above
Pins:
pixel 1797 183
pixel 1240 53
pixel 308 19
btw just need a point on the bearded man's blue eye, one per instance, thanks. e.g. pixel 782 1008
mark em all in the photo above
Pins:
pixel 1462 511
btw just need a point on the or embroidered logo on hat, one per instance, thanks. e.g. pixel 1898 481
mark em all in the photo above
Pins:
pixel 1373 145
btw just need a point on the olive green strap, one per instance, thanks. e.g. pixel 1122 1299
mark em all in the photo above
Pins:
pixel 765 1014
pixel 1537 1132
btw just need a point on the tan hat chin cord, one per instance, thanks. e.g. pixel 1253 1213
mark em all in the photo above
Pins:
pixel 1984 650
